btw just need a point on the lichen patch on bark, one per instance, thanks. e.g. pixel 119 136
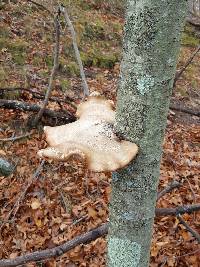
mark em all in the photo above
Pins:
pixel 124 253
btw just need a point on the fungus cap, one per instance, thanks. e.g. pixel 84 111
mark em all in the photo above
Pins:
pixel 91 137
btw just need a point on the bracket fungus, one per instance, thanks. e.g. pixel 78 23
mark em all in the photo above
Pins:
pixel 92 137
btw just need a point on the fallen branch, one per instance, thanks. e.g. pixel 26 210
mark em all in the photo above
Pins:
pixel 13 104
pixel 5 167
pixel 77 54
pixel 14 138
pixel 177 210
pixel 39 95
pixel 185 110
pixel 188 228
pixel 56 251
pixel 41 6
pixel 187 63
pixel 54 69
pixel 172 185
pixel 83 239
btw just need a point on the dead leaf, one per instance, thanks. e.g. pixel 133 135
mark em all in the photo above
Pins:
pixel 35 204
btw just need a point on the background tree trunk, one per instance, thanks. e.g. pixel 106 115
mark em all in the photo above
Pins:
pixel 151 45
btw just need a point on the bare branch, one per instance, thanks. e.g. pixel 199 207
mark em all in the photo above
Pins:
pixel 189 229
pixel 83 239
pixel 13 104
pixel 185 110
pixel 77 54
pixel 177 210
pixel 41 6
pixel 14 138
pixel 172 185
pixel 53 72
pixel 39 95
pixel 56 251
pixel 187 63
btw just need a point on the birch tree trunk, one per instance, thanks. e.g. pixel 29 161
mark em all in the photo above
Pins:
pixel 151 44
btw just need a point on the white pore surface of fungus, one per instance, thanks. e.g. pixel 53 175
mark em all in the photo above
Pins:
pixel 90 137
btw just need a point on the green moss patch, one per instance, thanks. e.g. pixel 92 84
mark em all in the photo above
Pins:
pixel 189 36
pixel 98 59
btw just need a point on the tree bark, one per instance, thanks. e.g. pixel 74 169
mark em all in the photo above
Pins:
pixel 150 48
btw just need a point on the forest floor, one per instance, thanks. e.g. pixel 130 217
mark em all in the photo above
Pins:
pixel 66 200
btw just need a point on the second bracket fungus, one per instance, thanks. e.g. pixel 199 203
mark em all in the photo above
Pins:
pixel 92 137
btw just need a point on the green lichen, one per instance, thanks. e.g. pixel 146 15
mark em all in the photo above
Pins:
pixel 123 252
pixel 144 84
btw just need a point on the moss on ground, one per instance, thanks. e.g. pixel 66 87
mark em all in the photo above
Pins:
pixel 189 40
pixel 189 36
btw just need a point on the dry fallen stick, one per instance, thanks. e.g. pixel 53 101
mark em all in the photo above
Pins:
pixel 189 229
pixel 81 239
pixel 13 104
pixel 185 110
pixel 41 6
pixel 172 185
pixel 56 251
pixel 53 72
pixel 77 54
pixel 15 138
pixel 177 210
pixel 39 95
pixel 15 208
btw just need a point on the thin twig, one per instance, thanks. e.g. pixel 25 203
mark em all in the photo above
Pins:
pixel 54 69
pixel 14 138
pixel 189 253
pixel 193 195
pixel 58 250
pixel 77 54
pixel 164 261
pixel 172 185
pixel 80 219
pixel 188 62
pixel 41 6
pixel 189 229
pixel 191 189
pixel 15 208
